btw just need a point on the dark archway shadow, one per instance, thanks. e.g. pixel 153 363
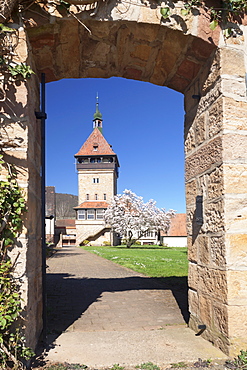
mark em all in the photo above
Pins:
pixel 68 297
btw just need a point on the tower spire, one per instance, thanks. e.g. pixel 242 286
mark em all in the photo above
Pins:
pixel 97 117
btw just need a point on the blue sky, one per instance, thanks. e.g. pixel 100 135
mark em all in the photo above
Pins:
pixel 142 122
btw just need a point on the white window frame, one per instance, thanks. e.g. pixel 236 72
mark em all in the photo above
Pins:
pixel 81 214
pixel 90 214
pixel 100 214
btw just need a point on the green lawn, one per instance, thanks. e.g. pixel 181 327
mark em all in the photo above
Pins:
pixel 150 260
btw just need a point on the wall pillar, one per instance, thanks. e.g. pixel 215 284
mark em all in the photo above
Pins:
pixel 216 168
pixel 19 128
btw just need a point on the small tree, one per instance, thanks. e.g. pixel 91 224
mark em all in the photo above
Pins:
pixel 129 216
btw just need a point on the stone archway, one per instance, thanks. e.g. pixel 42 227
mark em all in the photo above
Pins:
pixel 131 41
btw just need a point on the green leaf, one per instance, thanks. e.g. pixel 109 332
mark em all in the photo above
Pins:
pixel 227 32
pixel 4 28
pixel 184 12
pixel 64 4
pixel 165 12
pixel 213 24
pixel 8 241
pixel 3 322
pixel 21 69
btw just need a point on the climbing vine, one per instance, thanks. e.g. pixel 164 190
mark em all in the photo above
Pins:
pixel 12 206
pixel 225 15
pixel 8 66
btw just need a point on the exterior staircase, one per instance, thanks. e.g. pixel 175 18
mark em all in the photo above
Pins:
pixel 89 234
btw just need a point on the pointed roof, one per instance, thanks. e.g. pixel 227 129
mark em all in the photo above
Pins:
pixel 97 114
pixel 95 140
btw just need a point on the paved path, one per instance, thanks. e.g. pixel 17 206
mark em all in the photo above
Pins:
pixel 100 313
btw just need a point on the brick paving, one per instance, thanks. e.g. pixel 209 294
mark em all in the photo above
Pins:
pixel 89 293
pixel 100 314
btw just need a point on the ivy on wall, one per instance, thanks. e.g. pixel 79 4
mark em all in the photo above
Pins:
pixel 10 69
pixel 12 206
pixel 225 15
pixel 13 350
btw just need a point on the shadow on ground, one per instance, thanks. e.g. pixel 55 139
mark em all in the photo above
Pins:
pixel 69 297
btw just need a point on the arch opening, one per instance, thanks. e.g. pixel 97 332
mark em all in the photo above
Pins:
pixel 137 45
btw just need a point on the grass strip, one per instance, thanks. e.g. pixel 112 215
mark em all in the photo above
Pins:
pixel 150 260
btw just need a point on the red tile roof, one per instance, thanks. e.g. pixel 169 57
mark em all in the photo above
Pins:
pixel 65 223
pixel 95 139
pixel 94 204
pixel 178 225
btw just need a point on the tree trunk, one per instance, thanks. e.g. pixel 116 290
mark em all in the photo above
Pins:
pixel 129 243
pixel 129 240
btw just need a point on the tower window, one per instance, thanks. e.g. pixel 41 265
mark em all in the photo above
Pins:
pixel 99 214
pixel 87 196
pixel 90 214
pixel 95 148
pixel 95 180
pixel 104 196
pixel 96 196
pixel 81 214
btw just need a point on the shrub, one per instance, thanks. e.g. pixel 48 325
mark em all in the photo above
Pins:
pixel 106 243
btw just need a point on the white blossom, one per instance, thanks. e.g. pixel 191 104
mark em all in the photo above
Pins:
pixel 129 216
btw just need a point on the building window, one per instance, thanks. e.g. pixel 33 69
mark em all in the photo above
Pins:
pixel 95 148
pixel 99 214
pixel 90 214
pixel 96 196
pixel 92 160
pixel 81 214
pixel 87 196
pixel 95 180
pixel 104 196
pixel 82 160
pixel 149 234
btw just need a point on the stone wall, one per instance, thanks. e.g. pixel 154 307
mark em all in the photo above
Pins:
pixel 216 157
pixel 19 126
pixel 133 41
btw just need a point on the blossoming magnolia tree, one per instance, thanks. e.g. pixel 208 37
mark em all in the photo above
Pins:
pixel 129 216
